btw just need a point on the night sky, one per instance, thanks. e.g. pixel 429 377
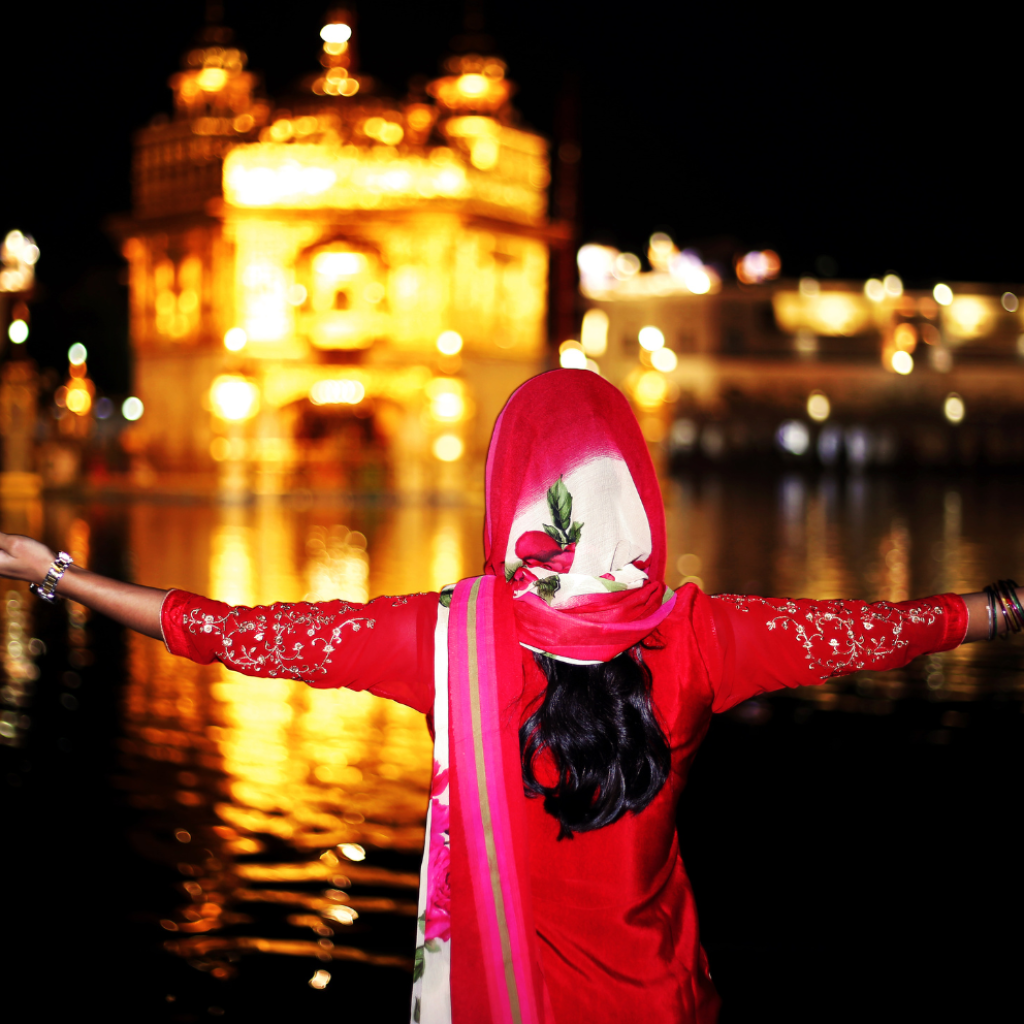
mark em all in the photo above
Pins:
pixel 881 139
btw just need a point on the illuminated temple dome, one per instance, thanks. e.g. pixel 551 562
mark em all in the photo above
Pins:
pixel 351 285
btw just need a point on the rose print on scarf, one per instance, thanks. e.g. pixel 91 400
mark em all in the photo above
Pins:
pixel 438 913
pixel 553 550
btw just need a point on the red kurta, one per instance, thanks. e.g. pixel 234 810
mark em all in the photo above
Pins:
pixel 614 910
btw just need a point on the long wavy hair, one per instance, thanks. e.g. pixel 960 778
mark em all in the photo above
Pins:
pixel 608 751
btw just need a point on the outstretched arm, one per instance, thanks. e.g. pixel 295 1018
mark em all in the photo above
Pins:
pixel 385 646
pixel 22 558
pixel 767 644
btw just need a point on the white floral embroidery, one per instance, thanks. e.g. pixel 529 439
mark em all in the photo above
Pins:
pixel 280 653
pixel 840 636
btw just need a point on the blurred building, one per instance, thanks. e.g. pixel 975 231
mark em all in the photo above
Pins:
pixel 339 289
pixel 735 360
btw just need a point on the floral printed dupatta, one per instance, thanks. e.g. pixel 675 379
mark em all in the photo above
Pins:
pixel 574 541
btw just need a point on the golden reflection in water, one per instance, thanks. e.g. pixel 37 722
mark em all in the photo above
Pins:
pixel 271 767
pixel 19 647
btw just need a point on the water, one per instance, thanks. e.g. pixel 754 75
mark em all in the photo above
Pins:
pixel 167 823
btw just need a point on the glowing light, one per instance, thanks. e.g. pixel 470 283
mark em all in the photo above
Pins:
pixel 819 408
pixel 77 354
pixel 297 294
pixel 970 316
pixel 687 268
pixel 352 851
pixel 18 332
pixel 321 979
pixel 942 294
pixel 336 32
pixel 809 286
pixel 449 343
pixel 1009 302
pixel 446 401
pixel 905 337
pixel 660 250
pixel 757 266
pixel 234 398
pixel 874 289
pixel 893 285
pixel 902 362
pixel 594 332
pixel 953 408
pixel 448 448
pixel 78 399
pixel 571 356
pixel 626 265
pixel 472 85
pixel 235 339
pixel 664 359
pixel 132 408
pixel 650 390
pixel 651 338
pixel 793 437
pixel 212 79
pixel 339 264
pixel 337 392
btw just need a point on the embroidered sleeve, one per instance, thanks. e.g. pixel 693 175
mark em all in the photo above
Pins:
pixel 385 646
pixel 770 643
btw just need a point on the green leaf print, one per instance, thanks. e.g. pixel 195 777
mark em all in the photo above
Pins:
pixel 417 964
pixel 560 504
pixel 510 570
pixel 548 587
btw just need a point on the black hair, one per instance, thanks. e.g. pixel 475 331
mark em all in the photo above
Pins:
pixel 610 754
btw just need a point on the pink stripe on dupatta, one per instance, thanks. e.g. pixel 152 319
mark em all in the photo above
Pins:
pixel 479 760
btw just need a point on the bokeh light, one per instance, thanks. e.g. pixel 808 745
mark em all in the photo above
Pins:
pixel 448 448
pixel 651 338
pixel 18 332
pixel 235 339
pixel 943 294
pixel 953 408
pixel 77 354
pixel 234 398
pixel 664 359
pixel 449 343
pixel 571 356
pixel 132 408
pixel 819 408
pixel 594 332
pixel 902 362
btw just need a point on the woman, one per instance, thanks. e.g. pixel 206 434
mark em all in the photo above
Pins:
pixel 568 690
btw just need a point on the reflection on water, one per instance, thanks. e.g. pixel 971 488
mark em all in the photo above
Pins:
pixel 293 818
pixel 298 809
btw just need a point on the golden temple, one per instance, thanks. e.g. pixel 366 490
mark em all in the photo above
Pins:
pixel 348 281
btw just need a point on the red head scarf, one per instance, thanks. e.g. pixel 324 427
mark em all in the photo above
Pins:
pixel 575 519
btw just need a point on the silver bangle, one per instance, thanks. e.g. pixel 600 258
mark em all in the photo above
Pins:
pixel 47 589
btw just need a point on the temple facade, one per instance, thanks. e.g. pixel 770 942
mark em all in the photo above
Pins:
pixel 337 292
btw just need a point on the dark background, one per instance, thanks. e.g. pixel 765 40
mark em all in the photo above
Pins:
pixel 883 139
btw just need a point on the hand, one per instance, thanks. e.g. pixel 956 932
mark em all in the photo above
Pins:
pixel 22 558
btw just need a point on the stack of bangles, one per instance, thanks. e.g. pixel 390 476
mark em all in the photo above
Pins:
pixel 1003 599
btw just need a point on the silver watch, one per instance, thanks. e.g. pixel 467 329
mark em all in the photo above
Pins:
pixel 47 589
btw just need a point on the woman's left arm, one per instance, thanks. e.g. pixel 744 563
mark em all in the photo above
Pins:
pixel 771 643
pixel 138 608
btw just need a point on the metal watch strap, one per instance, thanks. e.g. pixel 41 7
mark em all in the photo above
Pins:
pixel 47 589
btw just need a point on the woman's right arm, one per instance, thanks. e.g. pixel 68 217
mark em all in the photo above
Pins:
pixel 385 646
pixel 138 608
